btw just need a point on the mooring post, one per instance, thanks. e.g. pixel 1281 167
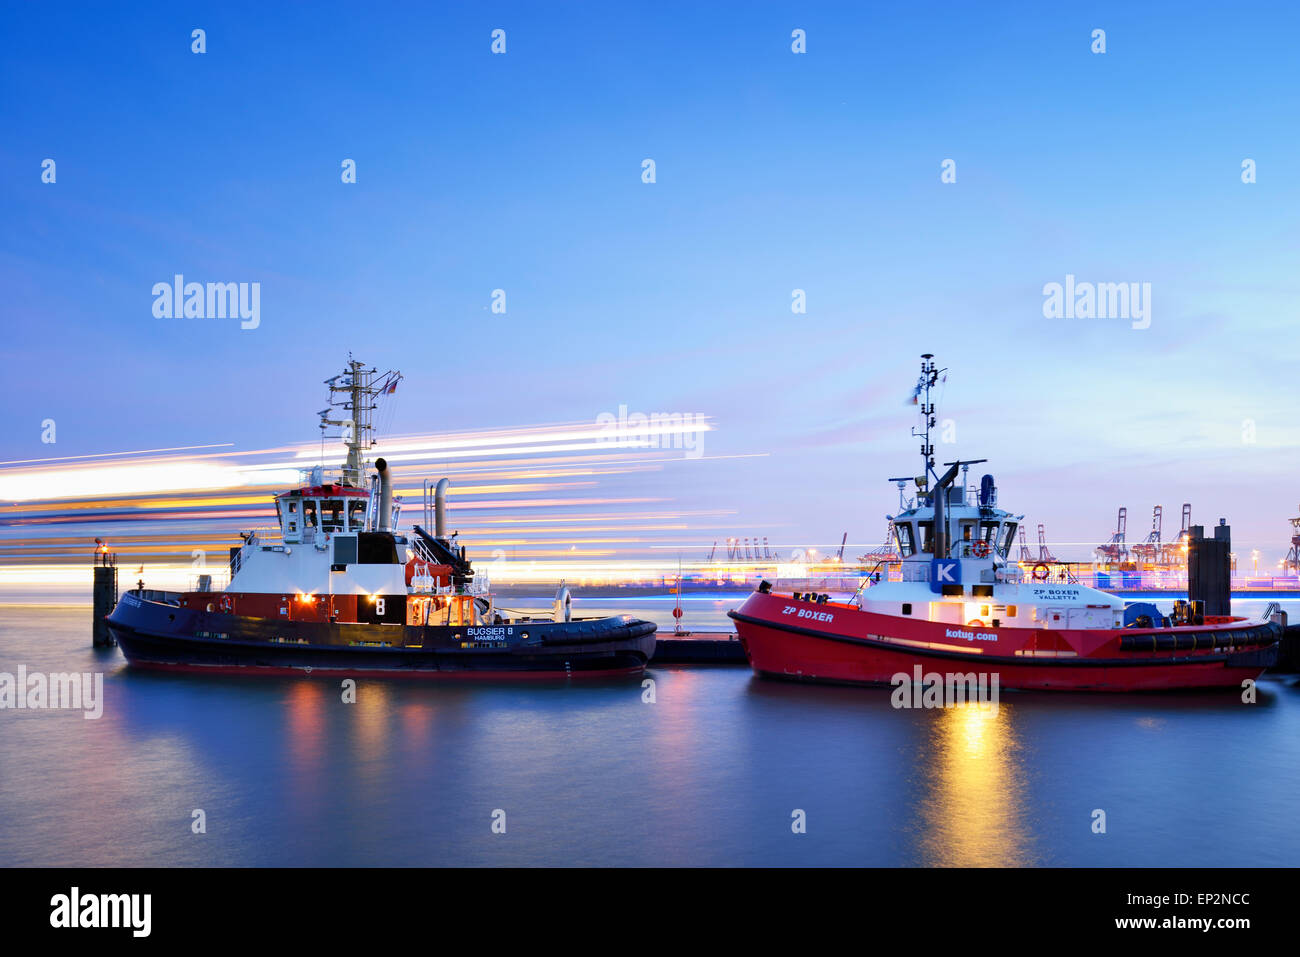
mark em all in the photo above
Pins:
pixel 1209 568
pixel 104 596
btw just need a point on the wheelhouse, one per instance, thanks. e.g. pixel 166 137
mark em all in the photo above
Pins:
pixel 315 513
pixel 973 531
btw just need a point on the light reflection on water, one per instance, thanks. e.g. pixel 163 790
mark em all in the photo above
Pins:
pixel 974 813
pixel 589 774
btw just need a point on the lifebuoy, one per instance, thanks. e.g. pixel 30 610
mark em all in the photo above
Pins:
pixel 226 604
pixel 975 623
pixel 1046 571
pixel 980 549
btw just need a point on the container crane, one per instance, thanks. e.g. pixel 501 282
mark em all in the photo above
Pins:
pixel 1175 552
pixel 1149 551
pixel 1044 555
pixel 1115 550
pixel 1292 562
pixel 1025 554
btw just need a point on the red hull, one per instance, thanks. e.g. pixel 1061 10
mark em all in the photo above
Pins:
pixel 856 647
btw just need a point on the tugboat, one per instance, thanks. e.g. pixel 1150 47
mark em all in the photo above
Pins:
pixel 964 606
pixel 340 591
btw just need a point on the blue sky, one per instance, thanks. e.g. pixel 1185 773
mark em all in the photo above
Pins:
pixel 775 171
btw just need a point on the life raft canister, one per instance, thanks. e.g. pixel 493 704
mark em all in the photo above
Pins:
pixel 416 567
pixel 980 549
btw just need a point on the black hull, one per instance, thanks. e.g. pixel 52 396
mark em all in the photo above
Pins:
pixel 157 635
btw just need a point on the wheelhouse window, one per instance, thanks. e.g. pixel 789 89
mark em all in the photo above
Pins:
pixel 1008 540
pixel 309 513
pixel 356 513
pixel 906 544
pixel 989 532
pixel 927 537
pixel 331 514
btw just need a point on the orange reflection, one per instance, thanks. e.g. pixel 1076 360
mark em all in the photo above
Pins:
pixel 973 814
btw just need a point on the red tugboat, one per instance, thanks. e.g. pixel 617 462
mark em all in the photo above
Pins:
pixel 340 591
pixel 964 606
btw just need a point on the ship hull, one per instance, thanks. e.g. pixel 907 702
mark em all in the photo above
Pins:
pixel 865 652
pixel 162 636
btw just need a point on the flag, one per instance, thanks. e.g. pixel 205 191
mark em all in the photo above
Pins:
pixel 392 387
pixel 916 392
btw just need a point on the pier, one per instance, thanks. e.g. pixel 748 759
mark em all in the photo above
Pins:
pixel 698 648
pixel 104 595
pixel 1209 569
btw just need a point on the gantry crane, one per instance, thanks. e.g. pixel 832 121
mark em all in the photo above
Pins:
pixel 1115 550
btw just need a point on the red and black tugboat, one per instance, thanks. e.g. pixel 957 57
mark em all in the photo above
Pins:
pixel 340 591
pixel 964 606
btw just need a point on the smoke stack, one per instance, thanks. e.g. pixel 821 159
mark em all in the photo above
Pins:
pixel 385 496
pixel 440 509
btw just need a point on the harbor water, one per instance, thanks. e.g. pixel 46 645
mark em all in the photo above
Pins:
pixel 705 766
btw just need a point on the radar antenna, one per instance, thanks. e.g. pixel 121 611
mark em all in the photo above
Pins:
pixel 930 373
pixel 353 393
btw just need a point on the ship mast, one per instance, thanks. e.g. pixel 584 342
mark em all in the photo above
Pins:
pixel 354 392
pixel 921 395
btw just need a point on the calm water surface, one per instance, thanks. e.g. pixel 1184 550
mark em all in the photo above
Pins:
pixel 589 774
